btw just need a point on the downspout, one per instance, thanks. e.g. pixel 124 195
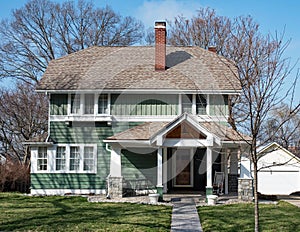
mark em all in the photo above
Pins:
pixel 48 136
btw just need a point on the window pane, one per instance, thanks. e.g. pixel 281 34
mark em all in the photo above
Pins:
pixel 74 158
pixel 42 159
pixel 187 103
pixel 60 158
pixel 89 103
pixel 201 104
pixel 88 159
pixel 102 104
pixel 75 103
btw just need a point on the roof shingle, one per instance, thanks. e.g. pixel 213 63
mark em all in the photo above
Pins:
pixel 99 68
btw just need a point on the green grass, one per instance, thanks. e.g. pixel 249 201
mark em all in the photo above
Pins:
pixel 23 213
pixel 240 217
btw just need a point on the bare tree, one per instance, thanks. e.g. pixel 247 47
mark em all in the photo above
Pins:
pixel 287 135
pixel 262 73
pixel 43 30
pixel 23 116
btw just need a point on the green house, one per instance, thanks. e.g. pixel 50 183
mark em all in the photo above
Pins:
pixel 138 119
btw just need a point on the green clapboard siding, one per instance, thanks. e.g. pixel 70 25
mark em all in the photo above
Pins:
pixel 142 105
pixel 59 104
pixel 218 105
pixel 67 181
pixel 139 166
pixel 80 133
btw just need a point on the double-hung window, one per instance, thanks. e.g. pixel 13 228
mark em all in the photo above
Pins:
pixel 187 102
pixel 60 159
pixel 42 159
pixel 75 103
pixel 89 103
pixel 201 104
pixel 88 159
pixel 74 158
pixel 103 104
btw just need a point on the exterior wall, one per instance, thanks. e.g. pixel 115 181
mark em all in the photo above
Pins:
pixel 148 105
pixel 79 133
pixel 139 168
pixel 133 104
pixel 281 175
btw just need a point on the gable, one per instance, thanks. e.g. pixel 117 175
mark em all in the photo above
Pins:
pixel 185 131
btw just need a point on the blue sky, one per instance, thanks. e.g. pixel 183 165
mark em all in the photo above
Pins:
pixel 272 15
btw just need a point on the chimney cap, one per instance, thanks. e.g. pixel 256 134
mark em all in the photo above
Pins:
pixel 160 24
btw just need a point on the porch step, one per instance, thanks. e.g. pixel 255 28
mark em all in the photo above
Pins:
pixel 185 216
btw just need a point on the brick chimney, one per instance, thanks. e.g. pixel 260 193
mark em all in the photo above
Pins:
pixel 212 49
pixel 160 45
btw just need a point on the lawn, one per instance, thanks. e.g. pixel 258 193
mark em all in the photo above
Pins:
pixel 24 213
pixel 240 217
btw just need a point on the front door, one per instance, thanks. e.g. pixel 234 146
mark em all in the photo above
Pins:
pixel 183 168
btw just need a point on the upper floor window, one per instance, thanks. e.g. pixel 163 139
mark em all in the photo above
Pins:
pixel 42 159
pixel 103 104
pixel 75 103
pixel 201 104
pixel 89 103
pixel 187 102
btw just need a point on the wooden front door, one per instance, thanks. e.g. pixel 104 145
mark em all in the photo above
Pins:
pixel 183 168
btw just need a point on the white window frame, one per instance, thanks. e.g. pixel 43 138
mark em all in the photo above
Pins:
pixel 65 158
pixel 44 158
pixel 81 159
pixel 81 111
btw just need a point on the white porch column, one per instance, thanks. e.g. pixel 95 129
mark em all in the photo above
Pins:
pixel 115 162
pixel 165 170
pixel 209 168
pixel 226 158
pixel 159 167
pixel 159 186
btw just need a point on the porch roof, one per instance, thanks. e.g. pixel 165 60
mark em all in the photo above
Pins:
pixel 149 130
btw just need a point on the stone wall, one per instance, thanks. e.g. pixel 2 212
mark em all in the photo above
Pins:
pixel 114 186
pixel 245 189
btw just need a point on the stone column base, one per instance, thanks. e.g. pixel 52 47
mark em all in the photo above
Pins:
pixel 245 189
pixel 115 186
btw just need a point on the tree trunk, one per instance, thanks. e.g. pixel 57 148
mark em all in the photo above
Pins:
pixel 256 208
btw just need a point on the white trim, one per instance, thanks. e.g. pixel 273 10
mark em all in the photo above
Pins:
pixel 194 105
pixel 82 118
pixel 66 191
pixel 165 170
pixel 130 143
pixel 209 164
pixel 208 104
pixel 51 159
pixel 179 104
pixel 142 91
pixel 115 162
pixel 185 143
pixel 159 167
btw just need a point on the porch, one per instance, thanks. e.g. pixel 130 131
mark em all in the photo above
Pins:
pixel 170 156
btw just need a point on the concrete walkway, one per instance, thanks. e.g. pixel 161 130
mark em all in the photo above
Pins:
pixel 185 216
pixel 295 200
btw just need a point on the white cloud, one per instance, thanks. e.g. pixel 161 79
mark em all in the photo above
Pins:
pixel 154 10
